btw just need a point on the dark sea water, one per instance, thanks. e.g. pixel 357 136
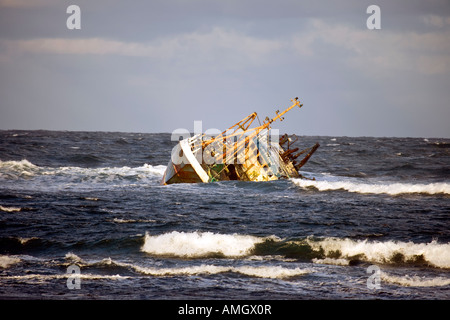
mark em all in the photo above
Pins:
pixel 83 216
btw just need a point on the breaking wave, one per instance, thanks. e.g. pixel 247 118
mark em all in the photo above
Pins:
pixel 17 169
pixel 25 168
pixel 339 251
pixel 390 188
pixel 111 269
pixel 273 272
pixel 199 244
pixel 42 278
pixel 433 253
pixel 10 209
pixel 415 281
pixel 7 261
pixel 46 177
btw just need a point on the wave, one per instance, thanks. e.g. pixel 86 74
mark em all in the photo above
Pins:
pixel 340 251
pixel 26 168
pixel 414 281
pixel 17 169
pixel 109 269
pixel 37 176
pixel 86 159
pixel 199 244
pixel 261 271
pixel 390 188
pixel 40 278
pixel 10 209
pixel 273 272
pixel 108 173
pixel 7 261
pixel 384 252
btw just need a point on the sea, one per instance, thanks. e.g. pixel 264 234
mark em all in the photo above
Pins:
pixel 83 216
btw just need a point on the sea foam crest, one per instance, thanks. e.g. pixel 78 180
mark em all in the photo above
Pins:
pixel 108 172
pixel 259 271
pixel 10 209
pixel 204 244
pixel 436 254
pixel 376 187
pixel 7 261
pixel 414 280
pixel 17 169
pixel 272 272
pixel 199 244
pixel 24 169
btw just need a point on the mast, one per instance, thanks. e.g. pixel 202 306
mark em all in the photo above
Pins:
pixel 250 133
pixel 279 115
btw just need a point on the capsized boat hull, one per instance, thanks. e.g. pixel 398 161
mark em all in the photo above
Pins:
pixel 183 166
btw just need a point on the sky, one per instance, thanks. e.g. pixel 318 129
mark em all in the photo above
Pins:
pixel 158 66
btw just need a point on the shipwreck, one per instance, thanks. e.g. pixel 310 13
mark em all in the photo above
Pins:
pixel 241 152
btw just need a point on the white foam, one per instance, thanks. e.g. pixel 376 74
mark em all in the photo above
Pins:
pixel 199 244
pixel 434 253
pixel 26 168
pixel 415 281
pixel 106 173
pixel 40 278
pixel 118 220
pixel 358 186
pixel 73 258
pixel 192 270
pixel 10 209
pixel 7 261
pixel 272 272
pixel 25 240
pixel 336 262
pixel 17 165
pixel 57 178
pixel 17 169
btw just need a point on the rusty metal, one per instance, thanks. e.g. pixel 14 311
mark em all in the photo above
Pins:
pixel 238 153
pixel 305 159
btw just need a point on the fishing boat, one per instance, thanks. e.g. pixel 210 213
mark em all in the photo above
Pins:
pixel 241 152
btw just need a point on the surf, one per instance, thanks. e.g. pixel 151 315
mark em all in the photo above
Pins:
pixel 376 187
pixel 260 271
pixel 199 244
pixel 329 250
pixel 384 252
pixel 70 177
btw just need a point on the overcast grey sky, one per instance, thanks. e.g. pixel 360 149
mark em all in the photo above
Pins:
pixel 155 66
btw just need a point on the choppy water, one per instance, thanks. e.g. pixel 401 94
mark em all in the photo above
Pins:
pixel 93 201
